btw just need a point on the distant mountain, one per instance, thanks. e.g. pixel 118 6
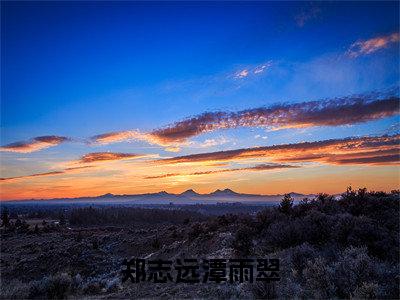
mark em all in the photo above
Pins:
pixel 293 194
pixel 162 193
pixel 106 195
pixel 187 197
pixel 225 192
pixel 190 193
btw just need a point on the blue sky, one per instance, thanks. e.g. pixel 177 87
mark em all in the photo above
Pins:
pixel 81 69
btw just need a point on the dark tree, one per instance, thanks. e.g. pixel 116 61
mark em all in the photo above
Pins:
pixel 156 243
pixel 18 223
pixel 63 220
pixel 36 230
pixel 5 217
pixel 286 204
pixel 243 242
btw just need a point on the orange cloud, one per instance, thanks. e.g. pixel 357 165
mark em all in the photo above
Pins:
pixel 260 167
pixel 36 144
pixel 107 156
pixel 372 160
pixel 118 136
pixel 336 151
pixel 67 170
pixel 89 158
pixel 365 47
pixel 131 135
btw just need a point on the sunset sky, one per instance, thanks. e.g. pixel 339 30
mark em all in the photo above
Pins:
pixel 140 97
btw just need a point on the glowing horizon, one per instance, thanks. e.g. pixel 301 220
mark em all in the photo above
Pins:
pixel 141 98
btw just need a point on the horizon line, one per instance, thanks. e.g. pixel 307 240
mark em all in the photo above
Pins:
pixel 182 194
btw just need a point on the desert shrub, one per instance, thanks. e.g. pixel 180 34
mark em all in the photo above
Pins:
pixel 229 291
pixel 197 229
pixel 36 230
pixel 326 204
pixel 289 288
pixel 5 217
pixel 353 273
pixel 77 283
pixel 243 241
pixel 78 237
pixel 245 220
pixel 95 244
pixel 129 215
pixel 315 228
pixel 267 217
pixel 212 225
pixel 377 239
pixel 283 234
pixel 265 290
pixel 14 290
pixel 353 268
pixel 356 272
pixel 113 285
pixel 222 221
pixel 343 227
pixel 156 244
pixel 368 290
pixel 318 277
pixel 99 284
pixel 52 287
pixel 299 256
pixel 93 287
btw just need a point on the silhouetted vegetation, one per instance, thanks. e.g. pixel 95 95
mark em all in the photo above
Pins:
pixel 5 219
pixel 128 215
pixel 329 247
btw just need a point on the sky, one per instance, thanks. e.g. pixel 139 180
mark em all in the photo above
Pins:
pixel 141 97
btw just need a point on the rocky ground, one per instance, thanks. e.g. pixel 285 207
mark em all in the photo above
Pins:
pixel 87 261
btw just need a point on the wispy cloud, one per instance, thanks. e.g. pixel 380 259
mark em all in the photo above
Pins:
pixel 258 136
pixel 260 167
pixel 52 173
pixel 365 47
pixel 108 156
pixel 241 74
pixel 336 151
pixel 253 70
pixel 36 144
pixel 372 160
pixel 212 142
pixel 118 136
pixel 262 68
pixel 88 160
pixel 134 135
pixel 334 112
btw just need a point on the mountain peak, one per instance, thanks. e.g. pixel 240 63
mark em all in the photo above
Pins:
pixel 225 192
pixel 189 192
pixel 106 195
pixel 162 193
pixel 294 194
